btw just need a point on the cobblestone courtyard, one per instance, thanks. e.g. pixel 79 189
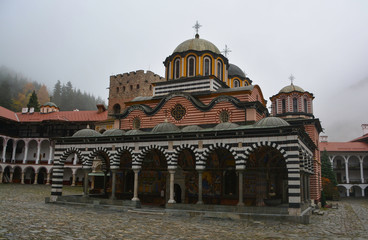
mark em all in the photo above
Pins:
pixel 24 215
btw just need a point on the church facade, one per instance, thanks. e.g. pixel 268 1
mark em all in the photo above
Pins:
pixel 200 136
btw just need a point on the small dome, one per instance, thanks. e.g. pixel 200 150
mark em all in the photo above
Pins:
pixel 196 44
pixel 134 132
pixel 87 133
pixel 271 122
pixel 225 125
pixel 191 128
pixel 165 127
pixel 291 88
pixel 235 71
pixel 113 132
pixel 49 104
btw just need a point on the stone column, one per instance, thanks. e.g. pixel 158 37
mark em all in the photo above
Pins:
pixel 22 178
pixel 1 177
pixel 85 185
pixel 113 182
pixel 50 154
pixel 75 159
pixel 361 171
pixel 25 152
pixel 200 201
pixel 14 150
pixel 73 180
pixel 11 177
pixel 135 197
pixel 348 192
pixel 36 176
pixel 5 142
pixel 38 152
pixel 346 169
pixel 240 176
pixel 172 179
pixel 48 179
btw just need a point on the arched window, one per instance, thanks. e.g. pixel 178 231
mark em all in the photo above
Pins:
pixel 116 109
pixel 177 68
pixel 283 106
pixel 117 89
pixel 236 83
pixel 305 105
pixel 137 86
pixel 191 66
pixel 207 66
pixel 295 105
pixel 219 70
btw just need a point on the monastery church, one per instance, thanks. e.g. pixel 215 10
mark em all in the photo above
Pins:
pixel 199 137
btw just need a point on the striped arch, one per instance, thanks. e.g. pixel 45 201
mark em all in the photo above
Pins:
pixel 144 152
pixel 115 162
pixel 95 153
pixel 211 148
pixel 178 150
pixel 257 145
pixel 67 153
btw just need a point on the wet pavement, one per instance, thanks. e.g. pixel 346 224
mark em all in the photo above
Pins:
pixel 24 215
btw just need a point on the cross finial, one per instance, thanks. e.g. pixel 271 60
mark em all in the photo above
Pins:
pixel 226 51
pixel 197 26
pixel 291 79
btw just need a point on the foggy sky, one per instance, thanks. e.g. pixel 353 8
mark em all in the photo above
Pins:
pixel 324 44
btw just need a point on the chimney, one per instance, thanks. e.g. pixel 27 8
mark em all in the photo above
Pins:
pixel 365 129
pixel 323 138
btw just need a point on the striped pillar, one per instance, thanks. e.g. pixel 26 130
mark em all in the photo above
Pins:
pixel 294 182
pixel 57 179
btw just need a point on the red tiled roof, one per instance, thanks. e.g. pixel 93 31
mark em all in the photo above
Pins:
pixel 343 146
pixel 363 138
pixel 70 116
pixel 7 114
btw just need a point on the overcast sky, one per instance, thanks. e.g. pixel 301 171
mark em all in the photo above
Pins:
pixel 324 44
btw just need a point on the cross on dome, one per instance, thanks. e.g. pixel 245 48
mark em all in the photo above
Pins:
pixel 292 79
pixel 226 51
pixel 197 26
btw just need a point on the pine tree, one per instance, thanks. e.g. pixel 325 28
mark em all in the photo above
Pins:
pixel 33 102
pixel 327 170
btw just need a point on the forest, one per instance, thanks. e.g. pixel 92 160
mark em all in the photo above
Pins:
pixel 17 92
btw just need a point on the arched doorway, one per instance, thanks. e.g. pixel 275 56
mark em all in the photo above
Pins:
pixel 17 175
pixel 152 178
pixel 265 178
pixel 187 177
pixel 219 179
pixel 42 176
pixel 125 177
pixel 100 175
pixel 6 175
pixel 9 150
pixel 29 175
pixel 177 193
pixel 19 153
pixel 356 191
pixel 342 190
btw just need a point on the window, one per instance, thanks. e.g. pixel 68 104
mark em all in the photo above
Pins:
pixel 191 66
pixel 176 68
pixel 131 87
pixel 123 88
pixel 224 116
pixel 283 106
pixel 236 83
pixel 295 105
pixel 219 70
pixel 136 123
pixel 116 109
pixel 137 86
pixel 117 89
pixel 305 105
pixel 150 87
pixel 207 66
pixel 178 112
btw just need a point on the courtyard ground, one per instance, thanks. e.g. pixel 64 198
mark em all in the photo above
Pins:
pixel 24 215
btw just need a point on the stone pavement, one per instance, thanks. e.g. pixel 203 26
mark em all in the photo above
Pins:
pixel 24 215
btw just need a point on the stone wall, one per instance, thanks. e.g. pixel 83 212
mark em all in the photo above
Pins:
pixel 127 86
